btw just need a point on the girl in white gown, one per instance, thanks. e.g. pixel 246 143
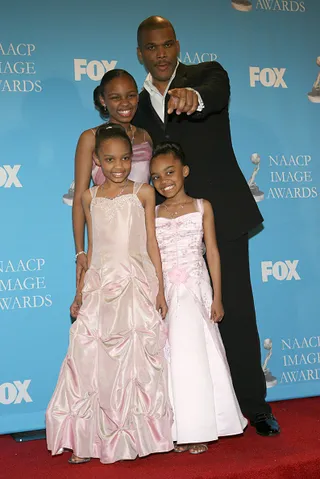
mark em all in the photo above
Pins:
pixel 204 402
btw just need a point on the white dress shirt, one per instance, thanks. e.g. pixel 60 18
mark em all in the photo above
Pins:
pixel 158 100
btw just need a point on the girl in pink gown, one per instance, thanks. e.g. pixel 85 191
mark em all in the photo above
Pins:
pixel 111 400
pixel 204 403
pixel 116 99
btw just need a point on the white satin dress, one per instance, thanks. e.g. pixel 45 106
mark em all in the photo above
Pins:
pixel 111 400
pixel 204 402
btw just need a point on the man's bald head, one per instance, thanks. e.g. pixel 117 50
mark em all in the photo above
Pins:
pixel 153 23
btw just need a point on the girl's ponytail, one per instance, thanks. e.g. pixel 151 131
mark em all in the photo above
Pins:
pixel 97 94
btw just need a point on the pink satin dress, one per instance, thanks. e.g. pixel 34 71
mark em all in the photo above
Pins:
pixel 203 399
pixel 111 401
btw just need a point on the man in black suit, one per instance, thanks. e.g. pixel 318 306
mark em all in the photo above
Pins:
pixel 189 105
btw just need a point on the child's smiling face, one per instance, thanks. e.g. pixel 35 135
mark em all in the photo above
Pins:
pixel 114 157
pixel 121 99
pixel 168 174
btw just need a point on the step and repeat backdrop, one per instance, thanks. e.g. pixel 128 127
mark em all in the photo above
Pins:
pixel 51 58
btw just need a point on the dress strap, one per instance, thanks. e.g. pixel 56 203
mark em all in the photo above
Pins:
pixel 93 131
pixel 136 187
pixel 93 191
pixel 156 211
pixel 199 204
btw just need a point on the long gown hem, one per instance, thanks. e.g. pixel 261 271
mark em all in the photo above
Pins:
pixel 65 449
pixel 211 438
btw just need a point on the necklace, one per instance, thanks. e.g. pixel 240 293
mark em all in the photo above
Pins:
pixel 174 214
pixel 120 192
pixel 132 133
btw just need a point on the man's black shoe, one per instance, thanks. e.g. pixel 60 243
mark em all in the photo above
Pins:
pixel 266 424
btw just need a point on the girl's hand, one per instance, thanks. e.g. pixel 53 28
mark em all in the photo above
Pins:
pixel 161 305
pixel 217 311
pixel 82 264
pixel 75 307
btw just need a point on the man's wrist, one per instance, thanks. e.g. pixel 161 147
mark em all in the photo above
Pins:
pixel 200 101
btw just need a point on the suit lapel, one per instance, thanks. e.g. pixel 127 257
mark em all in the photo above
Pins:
pixel 145 103
pixel 181 78
pixel 179 81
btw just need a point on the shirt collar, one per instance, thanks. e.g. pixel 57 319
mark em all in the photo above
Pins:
pixel 152 89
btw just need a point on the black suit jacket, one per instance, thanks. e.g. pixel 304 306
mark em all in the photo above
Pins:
pixel 206 140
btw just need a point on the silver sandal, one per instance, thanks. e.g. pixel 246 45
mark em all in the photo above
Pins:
pixel 198 448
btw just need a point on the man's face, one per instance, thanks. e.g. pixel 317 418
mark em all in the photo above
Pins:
pixel 159 50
